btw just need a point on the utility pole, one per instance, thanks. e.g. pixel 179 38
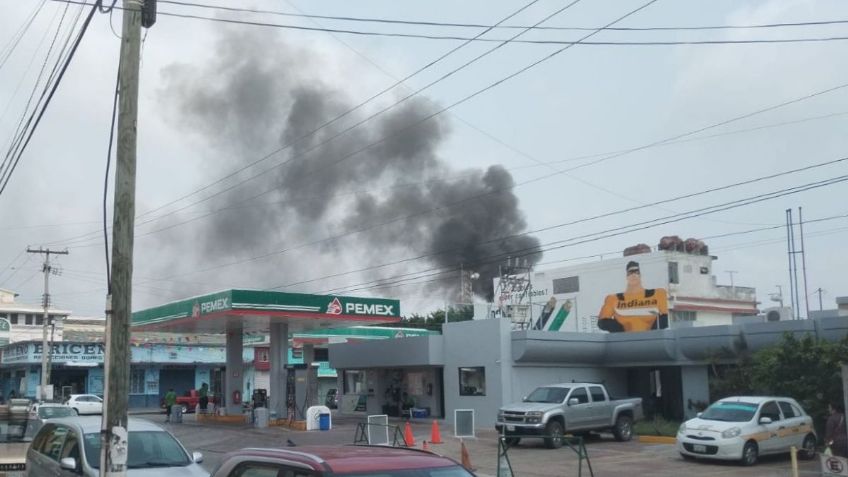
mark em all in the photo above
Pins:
pixel 819 291
pixel 46 347
pixel 113 435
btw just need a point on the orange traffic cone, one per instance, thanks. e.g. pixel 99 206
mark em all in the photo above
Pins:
pixel 407 435
pixel 466 459
pixel 425 446
pixel 435 434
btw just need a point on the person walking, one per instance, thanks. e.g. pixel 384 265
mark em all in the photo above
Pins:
pixel 204 396
pixel 835 436
pixel 170 402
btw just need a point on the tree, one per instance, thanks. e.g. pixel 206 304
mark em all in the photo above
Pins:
pixel 435 319
pixel 806 369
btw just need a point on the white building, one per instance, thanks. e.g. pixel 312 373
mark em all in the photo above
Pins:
pixel 694 297
pixel 26 320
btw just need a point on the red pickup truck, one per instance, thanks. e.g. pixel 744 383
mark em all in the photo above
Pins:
pixel 190 401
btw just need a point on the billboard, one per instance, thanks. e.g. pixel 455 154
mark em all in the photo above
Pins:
pixel 636 308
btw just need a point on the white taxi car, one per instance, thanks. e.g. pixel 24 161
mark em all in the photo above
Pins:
pixel 744 428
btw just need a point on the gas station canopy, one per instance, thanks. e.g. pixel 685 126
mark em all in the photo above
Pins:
pixel 256 310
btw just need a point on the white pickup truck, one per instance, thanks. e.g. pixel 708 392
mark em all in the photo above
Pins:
pixel 552 410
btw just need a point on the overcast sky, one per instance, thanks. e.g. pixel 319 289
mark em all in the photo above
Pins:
pixel 215 97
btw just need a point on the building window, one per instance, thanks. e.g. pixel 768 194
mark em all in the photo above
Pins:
pixel 39 320
pixel 705 270
pixel 472 381
pixel 137 381
pixel 567 285
pixel 13 318
pixel 321 354
pixel 354 382
pixel 673 276
pixel 685 315
pixel 29 318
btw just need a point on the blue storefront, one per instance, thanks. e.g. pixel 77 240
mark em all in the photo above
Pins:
pixel 78 368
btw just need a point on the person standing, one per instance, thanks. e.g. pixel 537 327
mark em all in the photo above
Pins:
pixel 835 436
pixel 204 396
pixel 170 401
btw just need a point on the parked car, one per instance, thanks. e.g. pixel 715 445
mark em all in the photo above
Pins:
pixel 332 399
pixel 86 403
pixel 40 412
pixel 744 428
pixel 13 441
pixel 552 410
pixel 318 461
pixel 72 446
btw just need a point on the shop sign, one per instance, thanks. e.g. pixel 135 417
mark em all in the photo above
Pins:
pixel 61 353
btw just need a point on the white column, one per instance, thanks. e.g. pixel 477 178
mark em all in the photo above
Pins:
pixel 235 368
pixel 279 336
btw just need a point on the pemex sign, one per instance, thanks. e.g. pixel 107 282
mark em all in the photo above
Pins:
pixel 5 331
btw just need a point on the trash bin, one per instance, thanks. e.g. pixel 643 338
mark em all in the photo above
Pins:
pixel 261 416
pixel 324 422
pixel 176 414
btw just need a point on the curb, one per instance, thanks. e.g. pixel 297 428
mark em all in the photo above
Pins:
pixel 657 440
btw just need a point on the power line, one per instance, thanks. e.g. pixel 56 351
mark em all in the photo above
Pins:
pixel 328 196
pixel 10 47
pixel 463 38
pixel 479 25
pixel 585 219
pixel 10 170
pixel 623 230
pixel 21 128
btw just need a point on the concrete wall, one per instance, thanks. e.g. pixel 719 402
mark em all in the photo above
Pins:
pixel 526 378
pixel 695 382
pixel 483 343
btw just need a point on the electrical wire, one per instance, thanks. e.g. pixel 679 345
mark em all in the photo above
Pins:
pixel 19 130
pixel 580 221
pixel 463 38
pixel 106 177
pixel 623 230
pixel 22 149
pixel 10 47
pixel 478 25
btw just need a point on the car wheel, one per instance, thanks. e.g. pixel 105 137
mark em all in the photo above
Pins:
pixel 623 430
pixel 77 411
pixel 808 447
pixel 750 453
pixel 554 431
pixel 512 441
pixel 687 457
pixel 185 409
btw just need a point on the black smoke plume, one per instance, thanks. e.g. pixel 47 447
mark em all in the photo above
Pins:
pixel 256 95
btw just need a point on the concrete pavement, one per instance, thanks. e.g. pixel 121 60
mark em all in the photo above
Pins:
pixel 531 458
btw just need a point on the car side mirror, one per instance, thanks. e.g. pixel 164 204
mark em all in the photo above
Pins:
pixel 765 420
pixel 68 463
pixel 573 402
pixel 197 457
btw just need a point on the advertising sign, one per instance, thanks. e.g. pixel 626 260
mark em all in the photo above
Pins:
pixel 635 309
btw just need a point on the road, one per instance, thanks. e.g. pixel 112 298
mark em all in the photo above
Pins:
pixel 608 458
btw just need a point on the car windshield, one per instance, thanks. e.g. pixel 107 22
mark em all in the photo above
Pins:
pixel 452 471
pixel 730 412
pixel 146 449
pixel 49 412
pixel 548 395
